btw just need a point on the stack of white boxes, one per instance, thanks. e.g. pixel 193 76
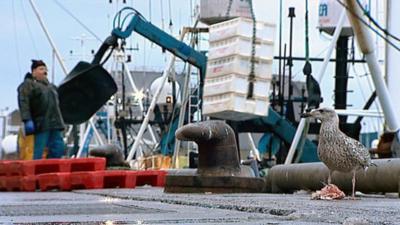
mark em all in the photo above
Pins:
pixel 228 69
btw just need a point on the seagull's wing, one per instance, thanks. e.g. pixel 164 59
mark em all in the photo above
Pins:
pixel 359 152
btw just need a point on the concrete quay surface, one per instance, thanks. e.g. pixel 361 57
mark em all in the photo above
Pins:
pixel 150 205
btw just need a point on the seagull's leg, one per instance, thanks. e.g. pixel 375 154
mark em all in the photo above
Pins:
pixel 354 183
pixel 330 177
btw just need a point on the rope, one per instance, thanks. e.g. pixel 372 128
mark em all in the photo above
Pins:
pixel 252 77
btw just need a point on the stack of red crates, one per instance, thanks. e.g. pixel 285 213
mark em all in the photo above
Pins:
pixel 68 174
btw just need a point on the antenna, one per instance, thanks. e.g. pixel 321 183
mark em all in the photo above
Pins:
pixel 111 1
pixel 83 38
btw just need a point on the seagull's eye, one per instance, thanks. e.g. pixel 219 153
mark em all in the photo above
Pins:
pixel 321 110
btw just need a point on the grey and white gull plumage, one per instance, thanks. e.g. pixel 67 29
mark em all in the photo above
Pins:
pixel 335 149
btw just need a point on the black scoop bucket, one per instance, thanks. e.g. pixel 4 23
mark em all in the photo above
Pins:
pixel 86 88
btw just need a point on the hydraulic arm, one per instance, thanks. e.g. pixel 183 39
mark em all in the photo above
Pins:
pixel 88 86
pixel 143 27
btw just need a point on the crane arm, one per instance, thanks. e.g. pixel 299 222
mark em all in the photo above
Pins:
pixel 143 27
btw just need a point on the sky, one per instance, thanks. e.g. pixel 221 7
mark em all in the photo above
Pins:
pixel 22 38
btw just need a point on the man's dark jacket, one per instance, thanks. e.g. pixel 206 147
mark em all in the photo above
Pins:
pixel 38 101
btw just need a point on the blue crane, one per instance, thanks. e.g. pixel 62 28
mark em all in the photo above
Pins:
pixel 88 86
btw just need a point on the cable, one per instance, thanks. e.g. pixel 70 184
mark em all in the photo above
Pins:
pixel 125 18
pixel 371 87
pixel 369 26
pixel 77 20
pixel 119 13
pixel 191 11
pixel 16 38
pixel 170 16
pixel 366 13
pixel 162 14
pixel 29 31
pixel 150 10
pixel 358 77
pixel 307 44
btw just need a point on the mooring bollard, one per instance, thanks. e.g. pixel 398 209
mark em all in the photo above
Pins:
pixel 219 169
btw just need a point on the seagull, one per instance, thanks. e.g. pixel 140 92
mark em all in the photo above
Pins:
pixel 335 149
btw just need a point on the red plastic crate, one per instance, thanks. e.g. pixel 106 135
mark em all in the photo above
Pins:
pixel 13 183
pixel 3 186
pixel 60 181
pixel 3 170
pixel 87 180
pixel 42 166
pixel 87 164
pixel 29 183
pixel 30 167
pixel 10 167
pixel 151 177
pixel 36 167
pixel 20 183
pixel 119 179
pixel 20 175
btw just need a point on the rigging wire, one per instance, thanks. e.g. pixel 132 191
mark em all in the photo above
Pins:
pixel 307 43
pixel 16 39
pixel 191 11
pixel 180 92
pixel 150 10
pixel 170 16
pixel 306 127
pixel 370 18
pixel 77 20
pixel 163 23
pixel 371 86
pixel 162 14
pixel 358 77
pixel 29 30
pixel 369 26
pixel 280 89
pixel 375 31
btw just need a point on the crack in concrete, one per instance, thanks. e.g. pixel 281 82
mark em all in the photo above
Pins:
pixel 248 209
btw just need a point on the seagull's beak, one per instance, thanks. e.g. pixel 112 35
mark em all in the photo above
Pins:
pixel 305 115
pixel 313 113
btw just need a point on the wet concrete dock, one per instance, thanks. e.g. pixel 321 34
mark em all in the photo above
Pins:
pixel 149 205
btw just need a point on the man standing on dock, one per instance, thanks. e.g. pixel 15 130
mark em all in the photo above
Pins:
pixel 40 112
